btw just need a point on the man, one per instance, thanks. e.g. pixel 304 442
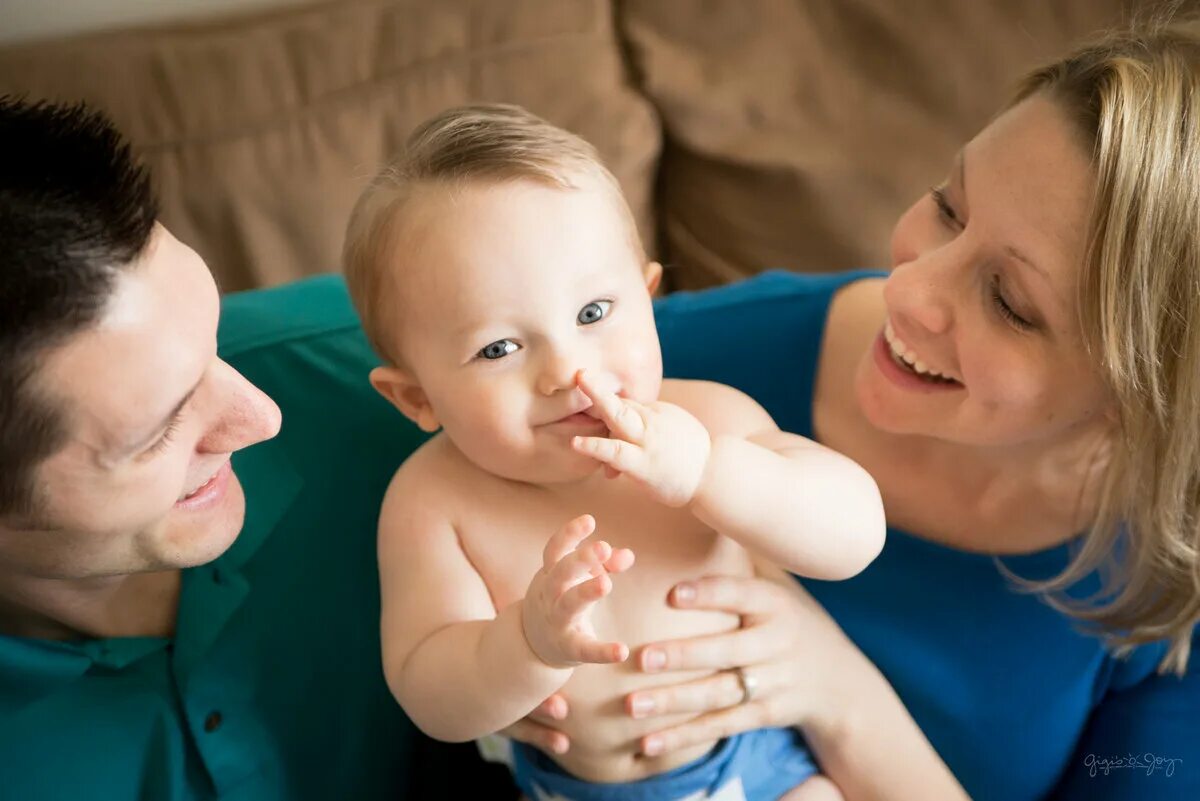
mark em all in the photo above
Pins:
pixel 181 615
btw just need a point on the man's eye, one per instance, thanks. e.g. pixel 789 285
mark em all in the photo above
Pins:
pixel 498 349
pixel 594 312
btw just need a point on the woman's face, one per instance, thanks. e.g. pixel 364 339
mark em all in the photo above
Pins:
pixel 983 292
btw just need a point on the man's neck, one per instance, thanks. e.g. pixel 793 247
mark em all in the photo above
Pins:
pixel 136 605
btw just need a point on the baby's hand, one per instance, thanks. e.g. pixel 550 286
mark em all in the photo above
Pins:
pixel 556 612
pixel 660 445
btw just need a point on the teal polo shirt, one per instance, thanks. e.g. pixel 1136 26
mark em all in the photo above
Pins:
pixel 272 686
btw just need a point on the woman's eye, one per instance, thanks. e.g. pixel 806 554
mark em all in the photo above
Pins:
pixel 945 211
pixel 1006 310
pixel 498 349
pixel 594 312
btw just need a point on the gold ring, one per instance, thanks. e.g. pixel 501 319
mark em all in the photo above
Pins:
pixel 749 684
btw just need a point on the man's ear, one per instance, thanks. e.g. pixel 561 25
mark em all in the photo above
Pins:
pixel 402 390
pixel 653 274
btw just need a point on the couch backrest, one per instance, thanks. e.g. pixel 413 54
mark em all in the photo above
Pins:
pixel 797 131
pixel 261 129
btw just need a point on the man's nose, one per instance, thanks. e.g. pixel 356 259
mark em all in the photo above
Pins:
pixel 246 414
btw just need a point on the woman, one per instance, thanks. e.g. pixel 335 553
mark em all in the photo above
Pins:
pixel 1028 370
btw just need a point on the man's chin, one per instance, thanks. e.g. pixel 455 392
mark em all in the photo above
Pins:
pixel 196 538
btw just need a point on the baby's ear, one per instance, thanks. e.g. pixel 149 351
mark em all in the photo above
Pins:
pixel 653 274
pixel 402 390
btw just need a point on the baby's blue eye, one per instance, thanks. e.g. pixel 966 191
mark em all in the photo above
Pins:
pixel 498 349
pixel 594 312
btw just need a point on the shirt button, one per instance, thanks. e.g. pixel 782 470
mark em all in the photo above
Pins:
pixel 212 722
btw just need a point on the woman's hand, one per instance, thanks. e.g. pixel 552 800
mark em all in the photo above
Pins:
pixel 790 651
pixel 537 728
pixel 804 672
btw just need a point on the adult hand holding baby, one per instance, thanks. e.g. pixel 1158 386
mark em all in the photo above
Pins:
pixel 792 687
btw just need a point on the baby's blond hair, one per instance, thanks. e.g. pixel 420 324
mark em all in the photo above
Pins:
pixel 471 144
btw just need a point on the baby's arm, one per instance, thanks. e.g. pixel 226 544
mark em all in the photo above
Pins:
pixel 460 669
pixel 794 502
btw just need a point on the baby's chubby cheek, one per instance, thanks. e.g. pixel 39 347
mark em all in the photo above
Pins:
pixel 642 371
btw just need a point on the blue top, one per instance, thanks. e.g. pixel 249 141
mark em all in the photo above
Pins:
pixel 1019 704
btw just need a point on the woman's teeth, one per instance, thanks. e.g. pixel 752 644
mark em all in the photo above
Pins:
pixel 907 357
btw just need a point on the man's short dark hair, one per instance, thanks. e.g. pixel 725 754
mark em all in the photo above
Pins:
pixel 76 208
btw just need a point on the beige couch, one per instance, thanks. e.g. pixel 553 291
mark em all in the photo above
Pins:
pixel 747 133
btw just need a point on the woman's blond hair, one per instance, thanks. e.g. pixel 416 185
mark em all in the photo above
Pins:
pixel 469 144
pixel 1134 96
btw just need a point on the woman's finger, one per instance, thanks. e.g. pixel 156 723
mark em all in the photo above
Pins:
pixel 748 646
pixel 741 596
pixel 539 736
pixel 553 709
pixel 718 691
pixel 708 728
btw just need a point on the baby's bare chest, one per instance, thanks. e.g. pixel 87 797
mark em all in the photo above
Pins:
pixel 504 534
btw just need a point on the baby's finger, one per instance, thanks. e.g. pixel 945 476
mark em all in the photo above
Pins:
pixel 580 598
pixel 616 453
pixel 621 416
pixel 579 565
pixel 590 651
pixel 621 560
pixel 567 539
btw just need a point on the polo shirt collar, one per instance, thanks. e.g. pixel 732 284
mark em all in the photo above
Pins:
pixel 212 593
pixel 209 595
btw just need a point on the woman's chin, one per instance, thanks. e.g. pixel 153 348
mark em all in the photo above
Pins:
pixel 879 405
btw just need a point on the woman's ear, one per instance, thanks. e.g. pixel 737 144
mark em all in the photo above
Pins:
pixel 653 274
pixel 402 391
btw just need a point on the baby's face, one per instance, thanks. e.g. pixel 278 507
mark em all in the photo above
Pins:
pixel 508 292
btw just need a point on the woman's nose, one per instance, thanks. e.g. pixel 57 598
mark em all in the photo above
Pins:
pixel 921 292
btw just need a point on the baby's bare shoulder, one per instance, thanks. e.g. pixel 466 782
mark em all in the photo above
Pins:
pixel 436 474
pixel 722 408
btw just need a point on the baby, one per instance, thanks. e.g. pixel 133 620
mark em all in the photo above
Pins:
pixel 498 273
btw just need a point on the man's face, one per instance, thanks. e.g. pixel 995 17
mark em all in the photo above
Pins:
pixel 152 416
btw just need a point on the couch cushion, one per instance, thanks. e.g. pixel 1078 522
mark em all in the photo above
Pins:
pixel 262 129
pixel 798 133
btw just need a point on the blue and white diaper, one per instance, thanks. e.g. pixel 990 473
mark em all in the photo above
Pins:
pixel 759 765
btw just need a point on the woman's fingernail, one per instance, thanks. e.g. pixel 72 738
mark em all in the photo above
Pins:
pixel 641 706
pixel 685 593
pixel 653 659
pixel 652 746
